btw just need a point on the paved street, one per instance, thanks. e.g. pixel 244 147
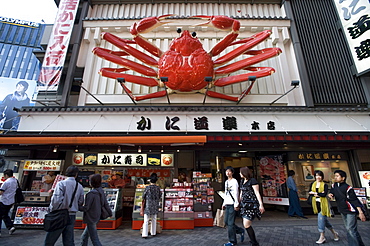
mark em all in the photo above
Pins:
pixel 275 228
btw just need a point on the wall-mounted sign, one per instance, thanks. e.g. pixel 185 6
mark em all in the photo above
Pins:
pixel 19 22
pixel 56 51
pixel 355 18
pixel 120 159
pixel 318 156
pixel 47 165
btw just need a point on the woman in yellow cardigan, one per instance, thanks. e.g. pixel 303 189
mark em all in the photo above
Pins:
pixel 320 205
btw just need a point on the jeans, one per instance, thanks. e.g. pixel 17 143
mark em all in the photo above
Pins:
pixel 232 229
pixel 322 222
pixel 153 225
pixel 4 215
pixel 350 222
pixel 91 231
pixel 67 234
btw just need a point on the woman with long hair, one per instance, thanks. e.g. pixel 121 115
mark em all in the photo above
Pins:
pixel 251 205
pixel 321 206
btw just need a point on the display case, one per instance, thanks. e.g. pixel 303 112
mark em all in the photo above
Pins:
pixel 203 199
pixel 114 198
pixel 137 219
pixel 178 209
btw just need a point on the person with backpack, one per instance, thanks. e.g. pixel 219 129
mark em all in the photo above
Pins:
pixel 94 201
pixel 348 206
pixel 7 192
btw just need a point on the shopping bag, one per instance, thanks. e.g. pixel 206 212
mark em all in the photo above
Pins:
pixel 158 228
pixel 56 219
pixel 219 218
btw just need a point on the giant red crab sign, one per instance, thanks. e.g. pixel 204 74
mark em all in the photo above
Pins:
pixel 186 66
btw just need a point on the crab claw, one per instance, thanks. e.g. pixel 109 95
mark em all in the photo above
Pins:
pixel 220 22
pixel 148 24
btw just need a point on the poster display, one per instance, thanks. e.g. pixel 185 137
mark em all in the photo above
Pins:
pixel 46 165
pixel 30 215
pixel 273 176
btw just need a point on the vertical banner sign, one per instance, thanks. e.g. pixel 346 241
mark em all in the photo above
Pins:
pixel 355 18
pixel 56 51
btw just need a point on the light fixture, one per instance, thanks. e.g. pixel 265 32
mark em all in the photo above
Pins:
pixel 119 149
pixel 165 80
pixel 162 149
pixel 242 151
pixel 178 150
pixel 240 144
pixel 294 83
pixel 55 148
pixel 76 149
pixel 122 81
pixel 139 149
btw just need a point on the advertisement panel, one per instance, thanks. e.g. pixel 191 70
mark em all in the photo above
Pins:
pixel 14 93
pixel 56 51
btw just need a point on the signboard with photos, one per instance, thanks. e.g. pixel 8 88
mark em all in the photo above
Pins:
pixel 46 165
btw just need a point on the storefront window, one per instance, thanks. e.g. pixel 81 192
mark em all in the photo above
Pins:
pixel 304 173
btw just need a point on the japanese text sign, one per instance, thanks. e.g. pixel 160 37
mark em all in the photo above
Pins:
pixel 58 43
pixel 119 159
pixel 46 165
pixel 355 18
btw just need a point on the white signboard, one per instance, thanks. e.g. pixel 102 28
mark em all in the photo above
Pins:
pixel 276 200
pixel 119 159
pixel 56 51
pixel 355 18
pixel 46 165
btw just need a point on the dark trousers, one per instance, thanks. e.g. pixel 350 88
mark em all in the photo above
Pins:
pixel 4 215
pixel 67 234
pixel 294 206
pixel 232 229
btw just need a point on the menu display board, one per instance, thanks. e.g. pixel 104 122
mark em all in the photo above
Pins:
pixel 47 165
pixel 30 215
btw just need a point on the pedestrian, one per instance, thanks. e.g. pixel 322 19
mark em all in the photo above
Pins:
pixel 7 192
pixel 231 206
pixel 251 205
pixel 94 201
pixel 150 206
pixel 294 206
pixel 321 206
pixel 61 199
pixel 348 206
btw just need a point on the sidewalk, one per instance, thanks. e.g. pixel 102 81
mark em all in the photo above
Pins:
pixel 274 229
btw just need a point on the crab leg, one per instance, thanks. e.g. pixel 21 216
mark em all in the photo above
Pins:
pixel 124 45
pixel 222 96
pixel 260 55
pixel 124 62
pixel 249 43
pixel 223 23
pixel 117 73
pixel 146 25
pixel 151 95
pixel 259 72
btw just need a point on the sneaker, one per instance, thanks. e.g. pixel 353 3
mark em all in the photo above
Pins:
pixel 242 236
pixel 11 230
pixel 229 244
pixel 336 237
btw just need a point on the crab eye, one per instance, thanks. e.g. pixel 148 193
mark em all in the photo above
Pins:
pixel 194 34
pixel 179 30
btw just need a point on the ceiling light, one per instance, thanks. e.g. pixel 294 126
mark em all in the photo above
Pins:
pixel 119 149
pixel 139 149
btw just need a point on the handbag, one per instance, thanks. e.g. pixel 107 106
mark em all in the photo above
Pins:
pixel 58 219
pixel 18 197
pixel 309 200
pixel 104 212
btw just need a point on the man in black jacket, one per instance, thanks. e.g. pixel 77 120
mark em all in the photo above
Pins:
pixel 348 205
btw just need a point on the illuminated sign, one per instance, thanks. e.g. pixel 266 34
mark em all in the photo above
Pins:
pixel 46 165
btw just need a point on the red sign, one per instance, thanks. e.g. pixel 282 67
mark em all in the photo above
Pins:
pixel 58 43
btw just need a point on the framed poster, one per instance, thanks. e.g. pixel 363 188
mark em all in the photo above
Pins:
pixel 308 173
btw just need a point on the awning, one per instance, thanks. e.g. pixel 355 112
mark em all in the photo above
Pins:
pixel 102 140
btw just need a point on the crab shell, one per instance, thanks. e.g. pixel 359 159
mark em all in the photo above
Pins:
pixel 186 64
